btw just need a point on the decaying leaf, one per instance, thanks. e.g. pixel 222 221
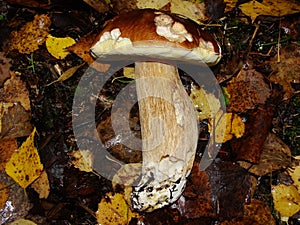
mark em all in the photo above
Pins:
pixel 257 212
pixel 268 8
pixel 67 74
pixel 246 91
pixel 230 5
pixel 154 4
pixel 24 165
pixel 101 6
pixel 275 155
pixel 22 222
pixel 3 195
pixel 4 69
pixel 113 210
pixel 41 185
pixel 286 199
pixel 7 147
pixel 14 90
pixel 288 70
pixel 31 35
pixel 57 46
pixel 83 160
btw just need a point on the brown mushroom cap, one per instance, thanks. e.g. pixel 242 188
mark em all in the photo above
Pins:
pixel 158 34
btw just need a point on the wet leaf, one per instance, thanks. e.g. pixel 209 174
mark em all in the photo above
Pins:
pixel 41 185
pixel 4 69
pixel 22 222
pixel 286 199
pixel 24 166
pixel 268 8
pixel 287 70
pixel 101 6
pixel 56 46
pixel 67 74
pixel 31 35
pixel 83 160
pixel 275 155
pixel 113 210
pixel 246 91
pixel 3 195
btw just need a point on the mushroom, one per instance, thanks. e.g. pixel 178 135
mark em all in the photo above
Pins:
pixel 167 116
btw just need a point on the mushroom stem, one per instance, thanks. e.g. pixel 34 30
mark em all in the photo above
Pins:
pixel 169 135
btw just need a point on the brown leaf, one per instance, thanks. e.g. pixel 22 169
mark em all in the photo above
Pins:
pixel 288 70
pixel 4 69
pixel 100 5
pixel 247 90
pixel 31 35
pixel 249 147
pixel 275 155
pixel 7 148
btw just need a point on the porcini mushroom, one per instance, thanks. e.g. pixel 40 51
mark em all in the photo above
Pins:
pixel 167 116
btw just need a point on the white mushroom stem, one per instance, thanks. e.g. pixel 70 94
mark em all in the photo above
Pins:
pixel 169 135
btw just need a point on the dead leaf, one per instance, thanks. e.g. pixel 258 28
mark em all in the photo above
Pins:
pixel 14 121
pixel 275 155
pixel 67 74
pixel 101 6
pixel 31 35
pixel 7 147
pixel 288 70
pixel 4 69
pixel 41 185
pixel 3 195
pixel 286 199
pixel 269 8
pixel 230 5
pixel 25 166
pixel 257 212
pixel 257 126
pixel 14 91
pixel 294 172
pixel 246 91
pixel 57 46
pixel 83 160
pixel 113 210
pixel 22 222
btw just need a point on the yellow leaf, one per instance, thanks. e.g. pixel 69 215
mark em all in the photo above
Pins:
pixel 31 35
pixel 22 222
pixel 24 165
pixel 67 74
pixel 286 199
pixel 295 174
pixel 41 185
pixel 56 46
pixel 83 160
pixel 269 8
pixel 113 210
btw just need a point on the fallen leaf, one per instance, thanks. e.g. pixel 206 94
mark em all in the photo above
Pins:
pixel 286 199
pixel 14 91
pixel 113 210
pixel 269 8
pixel 246 91
pixel 24 165
pixel 41 185
pixel 287 70
pixel 7 147
pixel 83 160
pixel 257 212
pixel 67 74
pixel 4 69
pixel 275 155
pixel 230 5
pixel 22 222
pixel 31 35
pixel 156 4
pixel 3 195
pixel 57 46
pixel 101 6
pixel 295 174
